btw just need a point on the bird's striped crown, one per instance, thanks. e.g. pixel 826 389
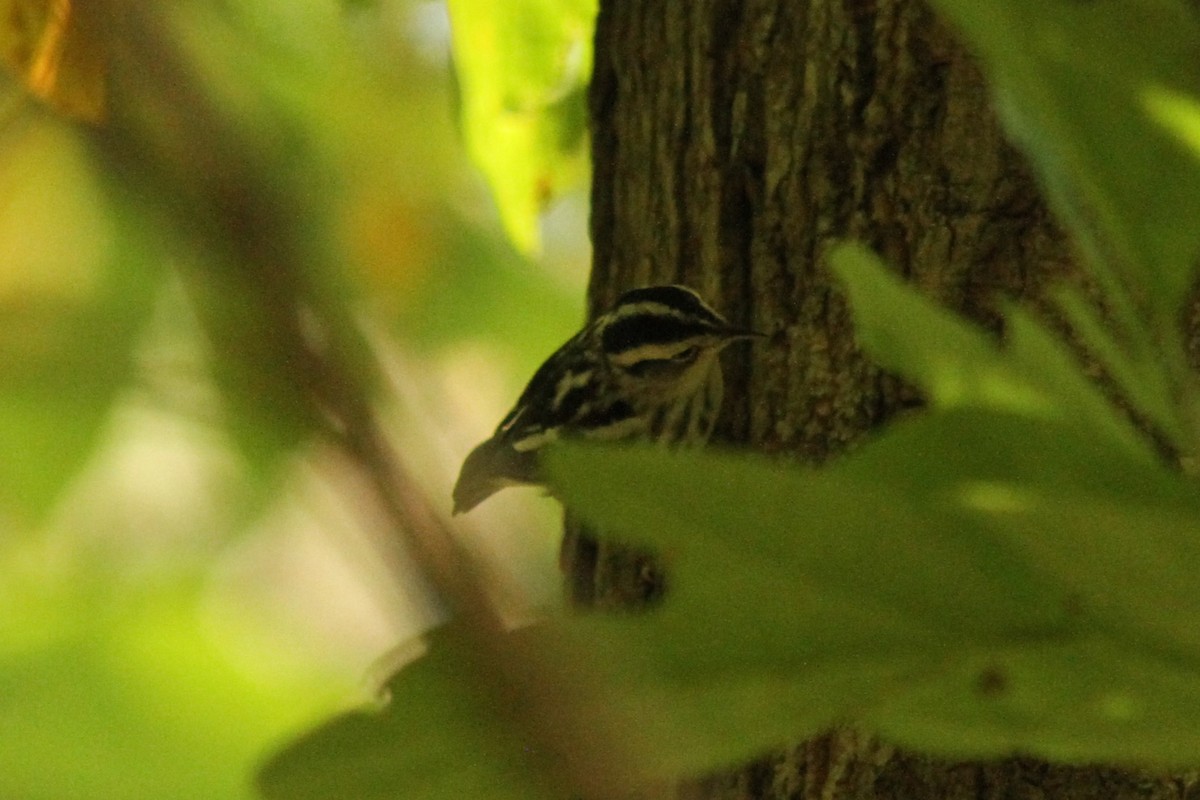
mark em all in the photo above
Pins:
pixel 659 323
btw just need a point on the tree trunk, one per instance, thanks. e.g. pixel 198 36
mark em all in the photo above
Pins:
pixel 734 141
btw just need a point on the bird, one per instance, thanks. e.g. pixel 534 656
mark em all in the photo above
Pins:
pixel 648 368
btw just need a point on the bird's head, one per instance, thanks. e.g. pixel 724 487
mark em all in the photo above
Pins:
pixel 661 342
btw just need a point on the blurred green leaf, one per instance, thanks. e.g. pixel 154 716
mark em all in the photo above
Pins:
pixel 870 529
pixel 1141 556
pixel 75 291
pixel 1102 96
pixel 129 698
pixel 951 543
pixel 1143 381
pixel 1047 495
pixel 1088 701
pixel 960 366
pixel 439 737
pixel 523 67
pixel 953 361
pixel 1044 360
pixel 701 695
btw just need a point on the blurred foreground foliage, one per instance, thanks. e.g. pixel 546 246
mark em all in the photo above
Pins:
pixel 1011 572
pixel 201 201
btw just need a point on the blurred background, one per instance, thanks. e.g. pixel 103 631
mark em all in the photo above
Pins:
pixel 187 579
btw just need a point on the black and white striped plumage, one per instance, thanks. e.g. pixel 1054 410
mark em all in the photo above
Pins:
pixel 648 368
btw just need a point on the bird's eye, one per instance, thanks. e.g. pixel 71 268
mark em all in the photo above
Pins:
pixel 683 356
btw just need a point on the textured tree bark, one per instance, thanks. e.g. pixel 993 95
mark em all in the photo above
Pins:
pixel 734 141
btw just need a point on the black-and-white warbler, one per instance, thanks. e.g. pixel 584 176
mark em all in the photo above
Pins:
pixel 646 369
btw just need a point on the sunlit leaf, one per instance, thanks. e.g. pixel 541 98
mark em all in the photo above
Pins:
pixel 522 68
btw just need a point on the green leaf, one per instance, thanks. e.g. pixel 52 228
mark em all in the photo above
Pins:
pixel 1044 360
pixel 523 67
pixel 701 697
pixel 439 736
pixel 1050 494
pixel 955 362
pixel 1091 700
pixel 1141 558
pixel 75 290
pixel 1102 96
pixel 886 527
pixel 1142 380
pixel 951 544
pixel 960 366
